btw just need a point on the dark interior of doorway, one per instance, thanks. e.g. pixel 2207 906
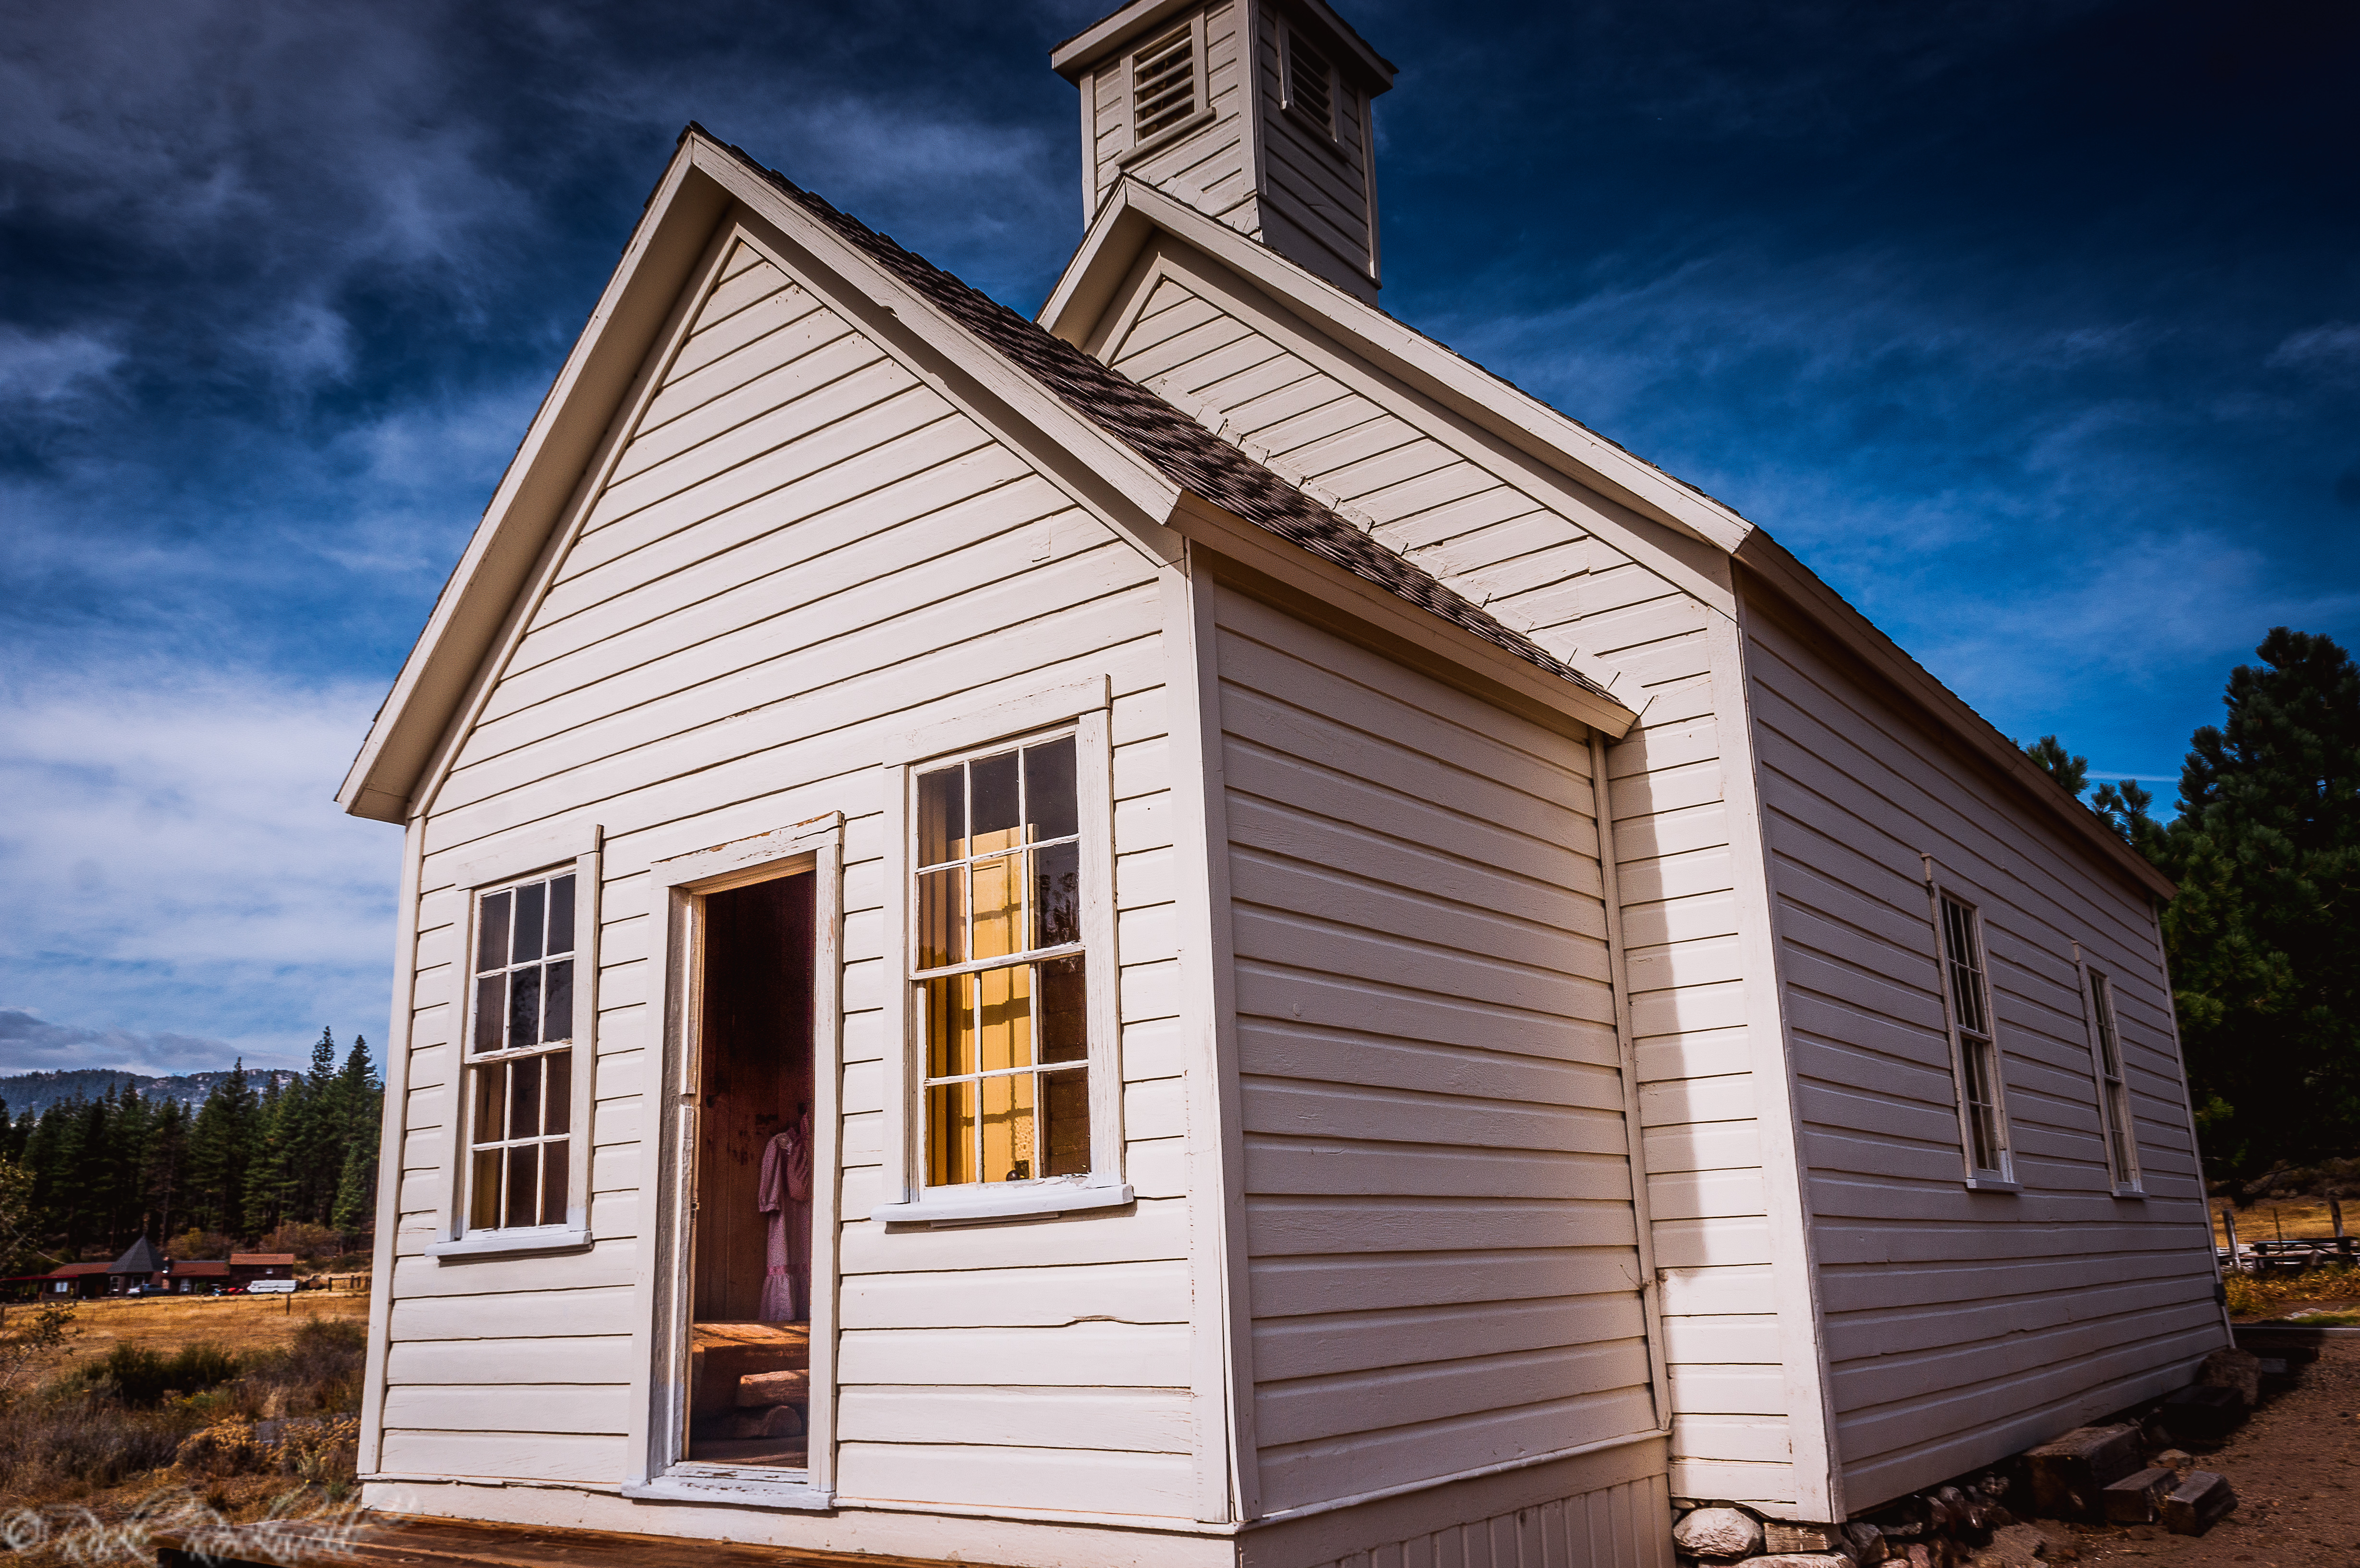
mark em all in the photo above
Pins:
pixel 749 1354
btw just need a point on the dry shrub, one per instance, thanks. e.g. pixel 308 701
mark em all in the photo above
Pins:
pixel 324 1450
pixel 142 1379
pixel 52 1439
pixel 136 1410
pixel 319 1372
pixel 226 1448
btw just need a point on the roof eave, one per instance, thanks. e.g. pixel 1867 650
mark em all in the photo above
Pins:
pixel 539 480
pixel 1078 55
pixel 1362 612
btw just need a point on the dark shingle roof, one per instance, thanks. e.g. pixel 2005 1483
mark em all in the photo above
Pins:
pixel 140 1257
pixel 1181 450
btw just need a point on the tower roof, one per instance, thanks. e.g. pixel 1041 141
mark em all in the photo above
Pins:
pixel 140 1257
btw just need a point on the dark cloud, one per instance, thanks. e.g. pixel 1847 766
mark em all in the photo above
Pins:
pixel 29 1045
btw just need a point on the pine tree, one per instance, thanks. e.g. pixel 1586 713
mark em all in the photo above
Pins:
pixel 221 1154
pixel 125 1155
pixel 2071 773
pixel 162 1168
pixel 272 1171
pixel 360 1102
pixel 315 1136
pixel 2266 852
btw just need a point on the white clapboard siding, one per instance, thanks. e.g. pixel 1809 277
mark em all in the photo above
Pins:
pixel 1962 1325
pixel 803 553
pixel 1561 567
pixel 1443 1265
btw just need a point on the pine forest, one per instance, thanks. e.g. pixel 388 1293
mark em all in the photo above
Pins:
pixel 295 1160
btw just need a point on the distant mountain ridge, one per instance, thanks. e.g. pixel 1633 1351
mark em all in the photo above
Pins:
pixel 37 1092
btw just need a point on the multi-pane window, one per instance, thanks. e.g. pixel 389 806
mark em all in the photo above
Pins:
pixel 1000 967
pixel 2113 1094
pixel 1978 1051
pixel 521 1056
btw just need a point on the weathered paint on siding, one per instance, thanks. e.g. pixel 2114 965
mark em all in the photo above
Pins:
pixel 1442 1260
pixel 1963 1326
pixel 803 551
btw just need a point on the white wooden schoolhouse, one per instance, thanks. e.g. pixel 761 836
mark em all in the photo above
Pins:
pixel 1191 932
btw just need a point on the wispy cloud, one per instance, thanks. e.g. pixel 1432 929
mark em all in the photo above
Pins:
pixel 177 867
pixel 2331 349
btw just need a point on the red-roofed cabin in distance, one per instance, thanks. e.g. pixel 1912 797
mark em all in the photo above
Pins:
pixel 66 1282
pixel 198 1276
pixel 245 1268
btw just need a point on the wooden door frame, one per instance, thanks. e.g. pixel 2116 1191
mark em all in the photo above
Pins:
pixel 657 1471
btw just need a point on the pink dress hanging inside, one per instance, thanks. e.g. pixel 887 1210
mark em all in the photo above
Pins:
pixel 785 1197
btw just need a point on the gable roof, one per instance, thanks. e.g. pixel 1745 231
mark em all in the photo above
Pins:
pixel 1191 456
pixel 1137 212
pixel 1149 454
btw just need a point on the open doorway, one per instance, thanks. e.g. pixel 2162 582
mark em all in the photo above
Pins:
pixel 750 1246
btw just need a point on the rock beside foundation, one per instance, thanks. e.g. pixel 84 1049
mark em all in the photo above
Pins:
pixel 2239 1371
pixel 1717 1533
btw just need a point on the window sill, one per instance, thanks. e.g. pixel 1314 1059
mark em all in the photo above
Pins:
pixel 1323 137
pixel 731 1484
pixel 966 1205
pixel 1993 1184
pixel 1166 137
pixel 512 1243
pixel 2138 1192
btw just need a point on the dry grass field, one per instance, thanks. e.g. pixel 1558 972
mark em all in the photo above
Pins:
pixel 2294 1218
pixel 165 1324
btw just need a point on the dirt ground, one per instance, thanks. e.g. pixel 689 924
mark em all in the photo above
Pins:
pixel 2296 1470
pixel 165 1324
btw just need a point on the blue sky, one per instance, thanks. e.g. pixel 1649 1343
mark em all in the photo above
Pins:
pixel 2034 328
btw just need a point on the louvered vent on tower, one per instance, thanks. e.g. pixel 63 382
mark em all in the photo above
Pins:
pixel 1310 90
pixel 1163 85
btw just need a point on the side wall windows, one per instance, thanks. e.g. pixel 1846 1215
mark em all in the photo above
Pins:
pixel 1966 990
pixel 2114 1091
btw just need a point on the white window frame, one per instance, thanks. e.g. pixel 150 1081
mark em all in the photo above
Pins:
pixel 660 1471
pixel 2000 1178
pixel 2117 1121
pixel 1330 133
pixel 579 850
pixel 1199 87
pixel 1081 709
